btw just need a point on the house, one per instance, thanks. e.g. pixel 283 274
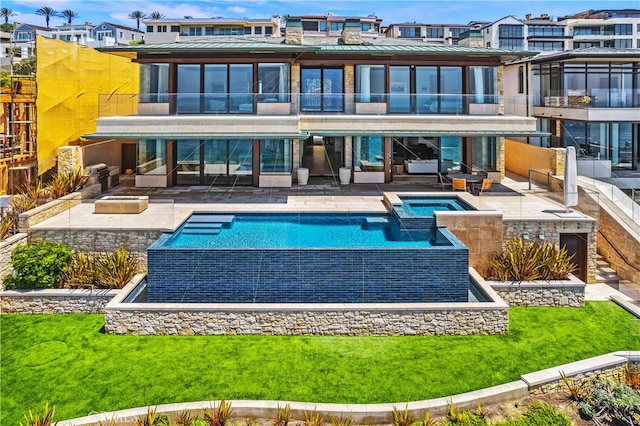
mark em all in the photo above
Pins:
pixel 331 25
pixel 76 33
pixel 603 28
pixel 430 33
pixel 168 30
pixel 238 112
pixel 23 39
pixel 108 34
pixel 587 98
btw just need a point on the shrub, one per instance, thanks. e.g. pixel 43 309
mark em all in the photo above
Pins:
pixel 522 260
pixel 283 416
pixel 82 272
pixel 402 418
pixel 39 265
pixel 612 402
pixel 313 418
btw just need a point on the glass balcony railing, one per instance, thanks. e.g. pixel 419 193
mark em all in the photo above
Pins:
pixel 309 103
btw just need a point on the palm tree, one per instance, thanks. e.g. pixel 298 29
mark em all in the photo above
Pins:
pixel 156 15
pixel 47 12
pixel 6 13
pixel 138 16
pixel 69 15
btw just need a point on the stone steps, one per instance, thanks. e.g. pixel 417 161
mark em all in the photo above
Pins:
pixel 604 273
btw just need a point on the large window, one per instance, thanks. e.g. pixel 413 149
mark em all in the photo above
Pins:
pixel 623 29
pixel 322 89
pixel 450 153
pixel 368 152
pixel 410 32
pixel 546 46
pixel 213 161
pixel 275 156
pixel 273 82
pixel 425 90
pixel 484 85
pixel 154 83
pixel 511 37
pixel 484 153
pixel 370 83
pixel 435 32
pixel 215 88
pixel 546 31
pixel 152 157
pixel 605 141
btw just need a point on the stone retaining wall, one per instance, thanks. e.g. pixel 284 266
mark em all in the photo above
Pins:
pixel 55 301
pixel 305 321
pixel 55 207
pixel 552 293
pixel 6 249
pixel 348 319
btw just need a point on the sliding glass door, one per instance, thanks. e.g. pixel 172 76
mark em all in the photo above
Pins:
pixel 214 162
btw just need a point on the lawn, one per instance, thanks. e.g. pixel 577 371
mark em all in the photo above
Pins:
pixel 67 361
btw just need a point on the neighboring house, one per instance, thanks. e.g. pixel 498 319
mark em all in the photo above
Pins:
pixel 108 34
pixel 23 39
pixel 431 33
pixel 169 30
pixel 600 28
pixel 75 33
pixel 232 111
pixel 603 28
pixel 587 98
pixel 5 50
pixel 331 25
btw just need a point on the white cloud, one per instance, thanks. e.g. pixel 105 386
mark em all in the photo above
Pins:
pixel 237 9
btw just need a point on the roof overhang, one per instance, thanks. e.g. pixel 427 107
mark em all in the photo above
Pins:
pixel 433 133
pixel 180 136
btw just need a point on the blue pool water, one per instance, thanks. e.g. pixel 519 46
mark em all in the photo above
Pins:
pixel 426 206
pixel 257 231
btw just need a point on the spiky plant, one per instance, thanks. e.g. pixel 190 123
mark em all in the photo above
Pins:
pixel 115 270
pixel 342 421
pixel 313 419
pixel 402 418
pixel 283 415
pixel 82 272
pixel 40 419
pixel 218 415
pixel 184 418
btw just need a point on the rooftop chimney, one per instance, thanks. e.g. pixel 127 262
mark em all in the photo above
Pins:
pixel 527 16
pixel 352 31
pixel 293 31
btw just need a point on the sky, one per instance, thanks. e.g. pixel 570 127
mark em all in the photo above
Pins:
pixel 391 11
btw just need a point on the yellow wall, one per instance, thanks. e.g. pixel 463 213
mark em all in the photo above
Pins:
pixel 70 78
pixel 520 157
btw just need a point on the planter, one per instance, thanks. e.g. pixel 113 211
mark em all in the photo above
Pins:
pixel 303 176
pixel 345 175
pixel 568 292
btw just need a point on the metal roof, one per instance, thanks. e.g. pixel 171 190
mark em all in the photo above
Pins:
pixel 276 44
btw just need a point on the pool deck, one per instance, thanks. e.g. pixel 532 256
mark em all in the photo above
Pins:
pixel 168 207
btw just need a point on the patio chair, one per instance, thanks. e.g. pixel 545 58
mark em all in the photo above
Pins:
pixel 486 185
pixel 459 184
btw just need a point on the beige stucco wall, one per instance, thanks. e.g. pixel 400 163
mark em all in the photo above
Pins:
pixel 521 157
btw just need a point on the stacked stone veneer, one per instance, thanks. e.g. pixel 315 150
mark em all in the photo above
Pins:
pixel 6 249
pixel 100 240
pixel 55 301
pixel 552 293
pixel 55 207
pixel 345 275
pixel 325 320
pixel 552 229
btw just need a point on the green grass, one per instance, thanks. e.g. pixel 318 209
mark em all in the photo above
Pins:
pixel 67 361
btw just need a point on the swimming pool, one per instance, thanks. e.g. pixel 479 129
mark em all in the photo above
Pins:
pixel 306 258
pixel 298 230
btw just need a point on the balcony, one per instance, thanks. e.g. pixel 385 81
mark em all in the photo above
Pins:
pixel 294 104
